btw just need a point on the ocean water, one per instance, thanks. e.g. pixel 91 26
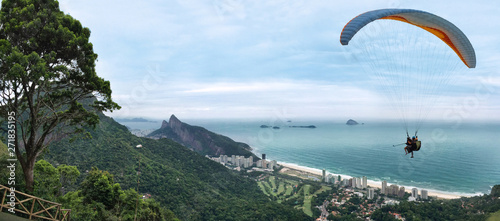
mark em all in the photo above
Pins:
pixel 460 159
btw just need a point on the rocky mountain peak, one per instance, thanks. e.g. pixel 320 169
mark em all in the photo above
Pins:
pixel 174 122
pixel 200 139
pixel 164 124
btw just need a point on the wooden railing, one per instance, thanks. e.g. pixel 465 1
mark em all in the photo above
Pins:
pixel 33 206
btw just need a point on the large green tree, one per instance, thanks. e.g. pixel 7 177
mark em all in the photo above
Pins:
pixel 47 185
pixel 47 67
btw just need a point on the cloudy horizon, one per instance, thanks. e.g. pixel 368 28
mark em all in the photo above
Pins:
pixel 252 59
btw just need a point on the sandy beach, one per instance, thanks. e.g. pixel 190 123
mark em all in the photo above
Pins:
pixel 378 185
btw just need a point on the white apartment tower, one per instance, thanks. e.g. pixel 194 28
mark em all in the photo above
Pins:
pixel 414 193
pixel 424 194
pixel 371 193
pixel 384 187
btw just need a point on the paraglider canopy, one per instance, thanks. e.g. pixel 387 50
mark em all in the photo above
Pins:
pixel 434 24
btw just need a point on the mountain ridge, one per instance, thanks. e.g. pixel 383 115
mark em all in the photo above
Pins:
pixel 200 139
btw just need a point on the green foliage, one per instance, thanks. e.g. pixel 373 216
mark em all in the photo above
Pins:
pixel 5 171
pixel 379 215
pixel 48 70
pixel 192 186
pixel 316 212
pixel 99 187
pixel 473 208
pixel 349 217
pixel 47 183
pixel 322 196
pixel 495 191
pixel 68 175
pixel 355 199
pixel 494 216
pixel 99 198
pixel 281 189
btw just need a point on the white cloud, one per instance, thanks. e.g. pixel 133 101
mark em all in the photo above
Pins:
pixel 231 99
pixel 238 58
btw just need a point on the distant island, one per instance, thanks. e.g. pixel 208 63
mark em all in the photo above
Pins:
pixel 310 126
pixel 351 122
pixel 266 126
pixel 137 119
pixel 274 127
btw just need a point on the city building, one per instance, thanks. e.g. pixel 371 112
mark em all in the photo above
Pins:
pixel 365 182
pixel 237 161
pixel 263 156
pixel 393 190
pixel 246 162
pixel 424 194
pixel 358 183
pixel 384 187
pixel 401 191
pixel 371 193
pixel 242 161
pixel 414 193
pixel 330 178
pixel 272 164
pixel 323 178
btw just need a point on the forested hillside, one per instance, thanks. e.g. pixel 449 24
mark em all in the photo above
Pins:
pixel 192 186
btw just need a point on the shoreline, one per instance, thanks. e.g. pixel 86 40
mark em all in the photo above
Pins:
pixel 371 183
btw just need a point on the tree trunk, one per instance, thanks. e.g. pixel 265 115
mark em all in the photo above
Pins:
pixel 28 168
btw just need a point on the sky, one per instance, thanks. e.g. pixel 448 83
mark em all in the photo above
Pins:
pixel 263 59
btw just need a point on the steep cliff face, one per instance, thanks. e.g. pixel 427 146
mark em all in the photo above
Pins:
pixel 200 139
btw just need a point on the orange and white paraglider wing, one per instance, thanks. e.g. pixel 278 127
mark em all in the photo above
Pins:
pixel 434 24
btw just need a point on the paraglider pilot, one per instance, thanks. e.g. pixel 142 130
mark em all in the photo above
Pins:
pixel 408 145
pixel 411 145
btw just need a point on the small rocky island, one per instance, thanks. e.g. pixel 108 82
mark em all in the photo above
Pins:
pixel 274 127
pixel 310 126
pixel 266 126
pixel 351 122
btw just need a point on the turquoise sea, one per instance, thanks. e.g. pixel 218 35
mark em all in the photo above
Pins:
pixel 454 158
